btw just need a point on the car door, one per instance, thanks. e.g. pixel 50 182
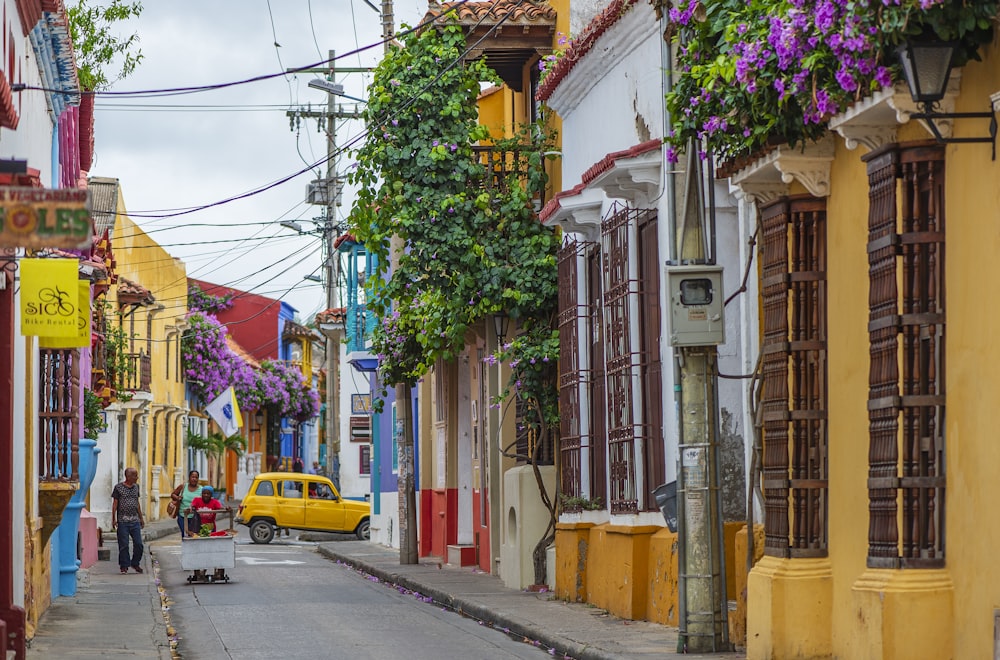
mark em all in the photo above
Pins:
pixel 324 510
pixel 291 503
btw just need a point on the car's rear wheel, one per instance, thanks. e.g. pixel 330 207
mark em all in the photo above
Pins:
pixel 363 531
pixel 261 531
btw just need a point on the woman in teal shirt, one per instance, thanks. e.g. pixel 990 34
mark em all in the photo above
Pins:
pixel 184 495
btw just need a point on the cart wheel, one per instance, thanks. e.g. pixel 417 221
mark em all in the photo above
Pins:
pixel 261 531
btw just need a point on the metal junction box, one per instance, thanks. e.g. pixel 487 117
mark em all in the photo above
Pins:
pixel 696 305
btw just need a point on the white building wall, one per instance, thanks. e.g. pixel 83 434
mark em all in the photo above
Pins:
pixel 385 525
pixel 353 484
pixel 612 100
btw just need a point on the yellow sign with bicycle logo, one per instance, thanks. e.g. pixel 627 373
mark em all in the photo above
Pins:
pixel 50 298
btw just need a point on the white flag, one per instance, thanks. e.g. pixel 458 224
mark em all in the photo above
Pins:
pixel 226 412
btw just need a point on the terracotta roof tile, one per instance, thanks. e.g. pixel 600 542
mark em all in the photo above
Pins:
pixel 488 13
pixel 594 171
pixel 293 329
pixel 130 293
pixel 581 45
pixel 334 315
pixel 608 161
pixel 344 238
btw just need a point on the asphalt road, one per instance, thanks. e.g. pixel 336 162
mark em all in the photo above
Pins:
pixel 284 600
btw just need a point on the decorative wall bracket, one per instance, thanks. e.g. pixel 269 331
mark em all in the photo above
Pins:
pixel 767 178
pixel 873 121
pixel 636 179
pixel 579 213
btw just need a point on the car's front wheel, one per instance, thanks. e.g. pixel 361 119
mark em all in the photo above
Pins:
pixel 363 531
pixel 261 531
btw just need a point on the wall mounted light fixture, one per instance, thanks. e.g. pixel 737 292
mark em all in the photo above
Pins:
pixel 926 68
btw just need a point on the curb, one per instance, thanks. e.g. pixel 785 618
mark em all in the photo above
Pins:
pixel 560 645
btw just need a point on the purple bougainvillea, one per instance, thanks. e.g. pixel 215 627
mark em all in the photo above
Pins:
pixel 210 367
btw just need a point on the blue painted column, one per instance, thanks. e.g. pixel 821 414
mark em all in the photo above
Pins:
pixel 64 550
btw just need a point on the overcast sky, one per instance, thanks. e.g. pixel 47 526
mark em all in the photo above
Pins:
pixel 169 158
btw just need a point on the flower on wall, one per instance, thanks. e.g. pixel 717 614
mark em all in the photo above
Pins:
pixel 210 367
pixel 753 72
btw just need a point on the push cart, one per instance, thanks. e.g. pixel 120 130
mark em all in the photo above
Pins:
pixel 208 557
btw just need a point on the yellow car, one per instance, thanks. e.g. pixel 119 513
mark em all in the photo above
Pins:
pixel 300 501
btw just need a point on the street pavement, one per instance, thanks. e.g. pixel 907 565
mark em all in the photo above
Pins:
pixel 124 615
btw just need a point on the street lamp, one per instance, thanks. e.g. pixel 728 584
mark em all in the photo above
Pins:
pixel 926 67
pixel 336 89
pixel 500 323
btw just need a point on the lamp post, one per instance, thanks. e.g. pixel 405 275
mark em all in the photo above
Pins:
pixel 926 66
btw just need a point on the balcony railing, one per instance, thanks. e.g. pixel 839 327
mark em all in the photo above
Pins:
pixel 502 163
pixel 136 374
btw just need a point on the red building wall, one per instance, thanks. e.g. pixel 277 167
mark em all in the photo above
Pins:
pixel 252 320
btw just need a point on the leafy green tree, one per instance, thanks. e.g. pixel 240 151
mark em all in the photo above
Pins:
pixel 96 44
pixel 473 244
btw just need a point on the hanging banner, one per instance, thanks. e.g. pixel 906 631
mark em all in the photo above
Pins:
pixel 82 338
pixel 45 218
pixel 49 297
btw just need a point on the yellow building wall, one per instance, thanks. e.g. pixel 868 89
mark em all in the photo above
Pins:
pixel 141 260
pixel 947 613
pixel 972 194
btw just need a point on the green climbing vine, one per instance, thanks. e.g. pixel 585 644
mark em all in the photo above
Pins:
pixel 473 243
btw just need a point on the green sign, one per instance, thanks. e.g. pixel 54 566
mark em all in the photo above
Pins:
pixel 45 218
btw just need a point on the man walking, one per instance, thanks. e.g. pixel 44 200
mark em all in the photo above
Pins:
pixel 126 515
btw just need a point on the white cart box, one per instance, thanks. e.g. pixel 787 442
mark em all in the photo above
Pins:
pixel 200 553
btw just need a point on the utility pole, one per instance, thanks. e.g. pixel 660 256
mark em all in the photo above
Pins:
pixel 696 329
pixel 332 288
pixel 330 187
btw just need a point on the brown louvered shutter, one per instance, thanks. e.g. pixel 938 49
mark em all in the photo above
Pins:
pixel 906 401
pixel 794 395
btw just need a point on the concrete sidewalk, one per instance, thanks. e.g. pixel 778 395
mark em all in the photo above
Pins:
pixel 574 630
pixel 111 614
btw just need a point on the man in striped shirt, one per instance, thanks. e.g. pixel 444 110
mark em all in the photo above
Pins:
pixel 126 516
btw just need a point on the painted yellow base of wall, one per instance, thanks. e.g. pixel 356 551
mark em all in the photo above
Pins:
pixel 661 606
pixel 738 619
pixel 903 614
pixel 618 569
pixel 632 571
pixel 37 579
pixel 792 604
pixel 572 540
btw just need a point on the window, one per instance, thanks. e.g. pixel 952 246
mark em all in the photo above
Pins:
pixel 570 372
pixel 906 330
pixel 794 387
pixel 630 300
pixel 265 489
pixel 58 416
pixel 291 490
pixel 365 460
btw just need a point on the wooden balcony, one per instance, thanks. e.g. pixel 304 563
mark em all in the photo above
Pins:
pixel 502 163
pixel 136 375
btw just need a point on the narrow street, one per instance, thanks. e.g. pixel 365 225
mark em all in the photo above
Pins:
pixel 286 600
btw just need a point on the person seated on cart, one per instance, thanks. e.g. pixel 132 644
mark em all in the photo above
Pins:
pixel 206 505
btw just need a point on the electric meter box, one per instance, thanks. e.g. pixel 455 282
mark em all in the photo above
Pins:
pixel 696 305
